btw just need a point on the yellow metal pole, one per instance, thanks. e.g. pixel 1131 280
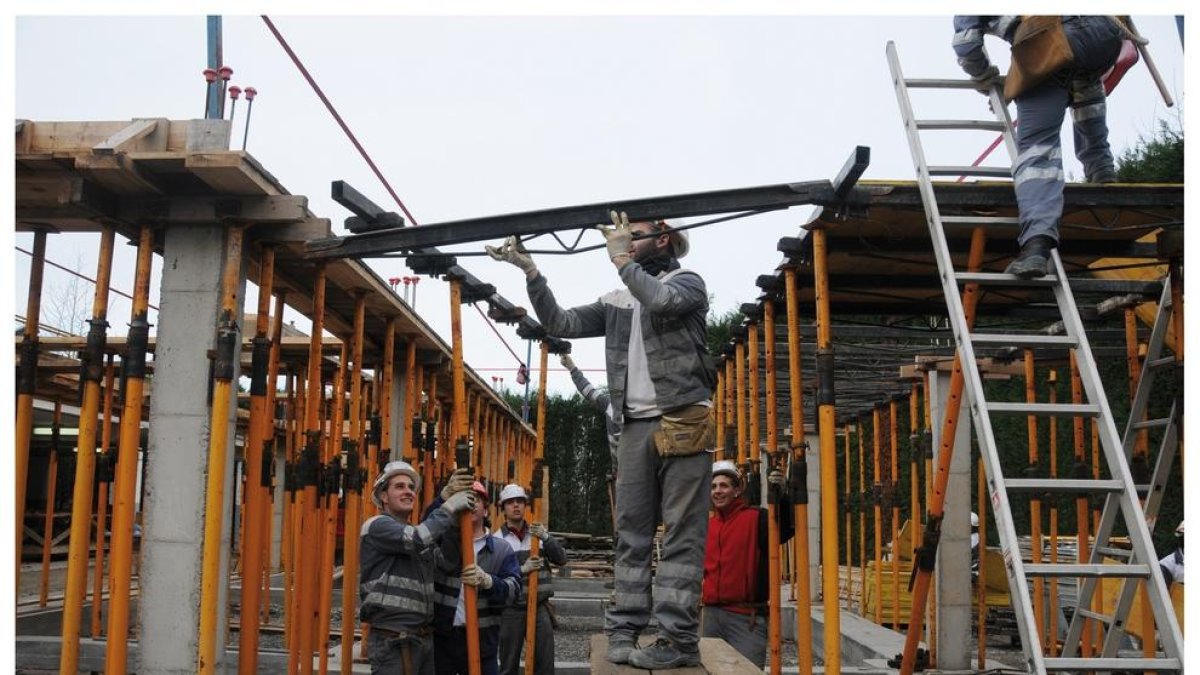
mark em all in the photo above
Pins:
pixel 827 429
pixel 719 409
pixel 26 387
pixel 740 387
pixel 862 518
pixel 730 408
pixel 799 477
pixel 287 532
pixel 915 444
pixel 329 503
pixel 894 424
pixel 1052 610
pixel 228 350
pixel 876 442
pixel 774 571
pixel 353 492
pixel 937 500
pixel 121 549
pixel 269 454
pixel 755 435
pixel 535 496
pixel 846 507
pixel 85 464
pixel 462 459
pixel 1035 504
pixel 408 452
pixel 257 499
pixel 51 493
pixel 102 502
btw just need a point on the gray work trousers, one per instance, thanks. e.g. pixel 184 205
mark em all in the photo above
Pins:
pixel 680 485
pixel 386 654
pixel 512 641
pixel 745 633
pixel 1038 170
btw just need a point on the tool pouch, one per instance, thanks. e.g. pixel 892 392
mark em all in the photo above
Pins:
pixel 1040 48
pixel 686 431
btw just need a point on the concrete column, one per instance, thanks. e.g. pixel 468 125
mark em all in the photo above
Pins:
pixel 813 457
pixel 172 545
pixel 952 575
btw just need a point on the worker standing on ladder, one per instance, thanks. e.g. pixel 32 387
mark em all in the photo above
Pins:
pixel 397 561
pixel 660 380
pixel 497 578
pixel 1057 62
pixel 735 563
pixel 518 534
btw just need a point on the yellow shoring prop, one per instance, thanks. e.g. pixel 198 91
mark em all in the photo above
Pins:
pixel 752 373
pixel 48 520
pixel 801 584
pixel 329 508
pixel 269 454
pixel 981 579
pixel 85 463
pixel 102 504
pixel 924 564
pixel 862 518
pixel 892 491
pixel 1035 504
pixel 774 570
pixel 1052 610
pixel 353 492
pixel 876 443
pixel 227 352
pixel 256 496
pixel 730 409
pixel 535 496
pixel 740 389
pixel 26 387
pixel 129 438
pixel 846 508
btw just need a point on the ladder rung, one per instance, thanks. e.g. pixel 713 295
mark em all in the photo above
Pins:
pixel 1113 552
pixel 1045 409
pixel 1023 340
pixel 1164 362
pixel 930 83
pixel 952 125
pixel 987 171
pixel 1063 485
pixel 980 220
pixel 1000 279
pixel 1152 424
pixel 1086 570
pixel 1094 616
pixel 1057 664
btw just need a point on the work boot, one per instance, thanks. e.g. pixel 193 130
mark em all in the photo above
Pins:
pixel 1033 260
pixel 662 655
pixel 1103 176
pixel 620 646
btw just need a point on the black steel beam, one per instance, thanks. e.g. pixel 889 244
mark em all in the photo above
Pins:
pixel 752 199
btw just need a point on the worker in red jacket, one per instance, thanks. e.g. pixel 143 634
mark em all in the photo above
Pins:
pixel 735 563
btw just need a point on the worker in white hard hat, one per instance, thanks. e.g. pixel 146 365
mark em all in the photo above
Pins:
pixel 519 534
pixel 396 594
pixel 496 577
pixel 736 575
pixel 1172 564
pixel 660 383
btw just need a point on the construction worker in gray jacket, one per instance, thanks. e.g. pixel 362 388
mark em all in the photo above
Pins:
pixel 1057 63
pixel 519 535
pixel 397 562
pixel 660 380
pixel 598 399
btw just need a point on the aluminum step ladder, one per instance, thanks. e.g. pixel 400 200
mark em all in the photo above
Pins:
pixel 1119 487
pixel 1154 365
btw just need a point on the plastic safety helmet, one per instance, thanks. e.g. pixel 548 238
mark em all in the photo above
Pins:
pixel 724 467
pixel 512 491
pixel 390 471
pixel 1179 530
pixel 481 491
pixel 974 519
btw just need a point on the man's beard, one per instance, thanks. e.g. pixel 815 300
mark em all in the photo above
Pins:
pixel 657 264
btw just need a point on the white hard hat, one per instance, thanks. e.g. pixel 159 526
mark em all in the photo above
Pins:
pixel 512 491
pixel 390 471
pixel 727 468
pixel 679 238
pixel 1179 530
pixel 974 520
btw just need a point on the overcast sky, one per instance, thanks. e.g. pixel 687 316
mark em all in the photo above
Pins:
pixel 477 116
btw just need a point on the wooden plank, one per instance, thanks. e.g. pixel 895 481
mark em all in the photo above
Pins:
pixel 282 209
pixel 229 172
pixel 716 657
pixel 141 132
pixel 117 174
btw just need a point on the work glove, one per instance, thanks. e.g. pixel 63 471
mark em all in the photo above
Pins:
pixel 776 478
pixel 531 565
pixel 459 481
pixel 473 576
pixel 512 251
pixel 539 530
pixel 566 361
pixel 459 502
pixel 987 79
pixel 618 239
